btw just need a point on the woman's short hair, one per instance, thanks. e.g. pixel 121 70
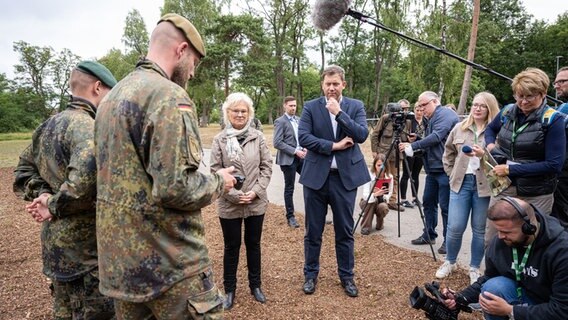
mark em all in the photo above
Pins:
pixel 530 81
pixel 234 99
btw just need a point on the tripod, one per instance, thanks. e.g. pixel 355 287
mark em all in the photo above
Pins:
pixel 397 129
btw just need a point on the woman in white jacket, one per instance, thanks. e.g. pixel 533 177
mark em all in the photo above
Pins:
pixel 382 190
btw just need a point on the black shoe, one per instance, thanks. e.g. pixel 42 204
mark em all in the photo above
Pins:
pixel 258 295
pixel 229 299
pixel 407 204
pixel 420 240
pixel 350 287
pixel 310 286
pixel 442 249
pixel 293 223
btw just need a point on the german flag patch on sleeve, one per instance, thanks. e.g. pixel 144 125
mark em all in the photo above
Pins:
pixel 185 107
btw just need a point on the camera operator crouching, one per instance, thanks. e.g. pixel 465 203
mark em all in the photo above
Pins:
pixel 396 119
pixel 526 275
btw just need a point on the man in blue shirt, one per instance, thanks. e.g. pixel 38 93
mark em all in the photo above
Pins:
pixel 437 186
pixel 560 206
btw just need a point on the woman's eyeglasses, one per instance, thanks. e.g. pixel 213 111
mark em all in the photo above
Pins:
pixel 480 106
pixel 526 98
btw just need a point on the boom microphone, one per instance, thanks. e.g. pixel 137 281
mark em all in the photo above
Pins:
pixel 327 13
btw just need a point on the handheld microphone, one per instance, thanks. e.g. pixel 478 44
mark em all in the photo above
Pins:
pixel 327 13
pixel 467 149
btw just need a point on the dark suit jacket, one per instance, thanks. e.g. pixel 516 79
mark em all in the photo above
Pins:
pixel 315 133
pixel 284 140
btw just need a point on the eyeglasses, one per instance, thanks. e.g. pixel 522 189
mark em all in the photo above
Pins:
pixel 559 82
pixel 236 112
pixel 479 106
pixel 422 105
pixel 526 98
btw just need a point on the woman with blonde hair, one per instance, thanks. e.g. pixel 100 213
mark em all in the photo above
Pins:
pixel 469 190
pixel 245 148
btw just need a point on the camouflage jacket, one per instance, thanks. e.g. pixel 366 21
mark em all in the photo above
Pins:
pixel 60 161
pixel 149 193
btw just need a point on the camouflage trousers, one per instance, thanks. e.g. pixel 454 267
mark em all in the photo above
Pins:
pixel 80 299
pixel 193 298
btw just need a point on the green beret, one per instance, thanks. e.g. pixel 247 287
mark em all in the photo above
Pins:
pixel 190 32
pixel 98 71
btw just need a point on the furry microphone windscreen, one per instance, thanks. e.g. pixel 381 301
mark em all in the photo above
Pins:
pixel 327 13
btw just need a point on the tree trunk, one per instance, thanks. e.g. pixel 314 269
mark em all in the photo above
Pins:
pixel 470 56
pixel 442 85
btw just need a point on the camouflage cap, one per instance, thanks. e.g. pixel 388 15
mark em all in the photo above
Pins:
pixel 98 71
pixel 188 30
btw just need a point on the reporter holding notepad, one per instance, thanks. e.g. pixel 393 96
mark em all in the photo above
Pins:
pixel 382 190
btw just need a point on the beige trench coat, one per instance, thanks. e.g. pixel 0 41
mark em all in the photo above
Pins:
pixel 456 162
pixel 255 164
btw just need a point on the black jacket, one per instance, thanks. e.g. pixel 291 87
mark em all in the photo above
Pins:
pixel 545 277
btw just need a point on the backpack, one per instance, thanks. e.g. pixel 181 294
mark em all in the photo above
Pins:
pixel 547 117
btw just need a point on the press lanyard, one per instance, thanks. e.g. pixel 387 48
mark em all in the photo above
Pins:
pixel 519 268
pixel 474 127
pixel 515 134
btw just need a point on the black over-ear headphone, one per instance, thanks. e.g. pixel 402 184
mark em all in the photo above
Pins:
pixel 528 228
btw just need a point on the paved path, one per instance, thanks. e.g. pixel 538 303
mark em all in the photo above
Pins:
pixel 410 222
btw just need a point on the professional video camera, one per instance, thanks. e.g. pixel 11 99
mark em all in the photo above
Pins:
pixel 397 115
pixel 435 309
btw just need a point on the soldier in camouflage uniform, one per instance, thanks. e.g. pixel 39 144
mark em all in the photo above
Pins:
pixel 151 238
pixel 57 171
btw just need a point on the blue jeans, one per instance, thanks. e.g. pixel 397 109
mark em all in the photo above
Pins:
pixel 505 288
pixel 461 204
pixel 436 191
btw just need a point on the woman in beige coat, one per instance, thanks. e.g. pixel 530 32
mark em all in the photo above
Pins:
pixel 469 190
pixel 245 148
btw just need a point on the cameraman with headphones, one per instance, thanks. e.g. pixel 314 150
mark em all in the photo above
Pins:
pixel 526 273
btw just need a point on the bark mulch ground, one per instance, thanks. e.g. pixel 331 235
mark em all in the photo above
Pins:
pixel 385 274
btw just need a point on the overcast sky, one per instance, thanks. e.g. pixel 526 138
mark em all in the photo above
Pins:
pixel 91 28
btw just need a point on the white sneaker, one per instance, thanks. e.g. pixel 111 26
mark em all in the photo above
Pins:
pixel 445 270
pixel 473 274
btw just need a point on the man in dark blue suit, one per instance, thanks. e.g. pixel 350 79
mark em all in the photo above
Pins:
pixel 331 128
pixel 290 154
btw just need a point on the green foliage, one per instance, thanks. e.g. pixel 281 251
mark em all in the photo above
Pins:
pixel 118 63
pixel 264 52
pixel 135 35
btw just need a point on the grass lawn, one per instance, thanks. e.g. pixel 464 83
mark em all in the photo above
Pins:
pixel 10 150
pixel 16 136
pixel 12 144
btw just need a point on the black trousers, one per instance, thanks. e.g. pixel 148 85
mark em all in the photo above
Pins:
pixel 289 181
pixel 232 240
pixel 415 164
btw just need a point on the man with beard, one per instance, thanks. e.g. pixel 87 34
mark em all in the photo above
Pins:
pixel 526 266
pixel 150 232
pixel 560 206
pixel 331 129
